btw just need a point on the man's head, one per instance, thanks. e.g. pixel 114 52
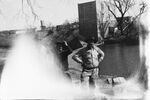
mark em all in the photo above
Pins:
pixel 90 42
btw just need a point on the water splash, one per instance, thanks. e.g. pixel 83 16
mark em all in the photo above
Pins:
pixel 31 71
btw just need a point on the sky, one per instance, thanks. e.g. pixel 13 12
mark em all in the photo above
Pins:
pixel 53 12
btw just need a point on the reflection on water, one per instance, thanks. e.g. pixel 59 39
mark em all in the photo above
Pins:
pixel 120 60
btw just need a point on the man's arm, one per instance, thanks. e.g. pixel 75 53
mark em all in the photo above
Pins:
pixel 77 57
pixel 101 53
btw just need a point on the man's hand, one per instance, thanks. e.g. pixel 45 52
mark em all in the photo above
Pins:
pixel 77 59
pixel 100 59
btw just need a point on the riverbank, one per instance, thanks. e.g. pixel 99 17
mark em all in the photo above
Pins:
pixel 127 41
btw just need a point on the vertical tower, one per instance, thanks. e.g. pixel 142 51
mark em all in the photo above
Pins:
pixel 88 20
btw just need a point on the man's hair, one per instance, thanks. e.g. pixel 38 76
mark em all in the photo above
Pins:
pixel 90 40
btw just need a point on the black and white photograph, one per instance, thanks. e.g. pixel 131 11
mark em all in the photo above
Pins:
pixel 74 49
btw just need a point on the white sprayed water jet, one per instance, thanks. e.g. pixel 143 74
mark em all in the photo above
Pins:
pixel 31 72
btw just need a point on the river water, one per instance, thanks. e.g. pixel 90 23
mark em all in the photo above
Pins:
pixel 120 60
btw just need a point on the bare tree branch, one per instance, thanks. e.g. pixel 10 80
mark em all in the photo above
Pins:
pixel 118 7
pixel 23 7
pixel 31 8
pixel 110 10
pixel 0 8
pixel 128 5
pixel 142 9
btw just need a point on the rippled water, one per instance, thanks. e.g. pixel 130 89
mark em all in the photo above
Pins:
pixel 120 60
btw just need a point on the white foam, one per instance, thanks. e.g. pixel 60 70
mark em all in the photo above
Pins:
pixel 31 71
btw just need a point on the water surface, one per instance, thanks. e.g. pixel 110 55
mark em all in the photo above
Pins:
pixel 120 60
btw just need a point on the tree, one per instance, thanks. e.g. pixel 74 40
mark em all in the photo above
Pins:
pixel 103 20
pixel 122 6
pixel 142 9
pixel 29 3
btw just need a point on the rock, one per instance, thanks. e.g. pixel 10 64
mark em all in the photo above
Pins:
pixel 119 80
pixel 116 80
